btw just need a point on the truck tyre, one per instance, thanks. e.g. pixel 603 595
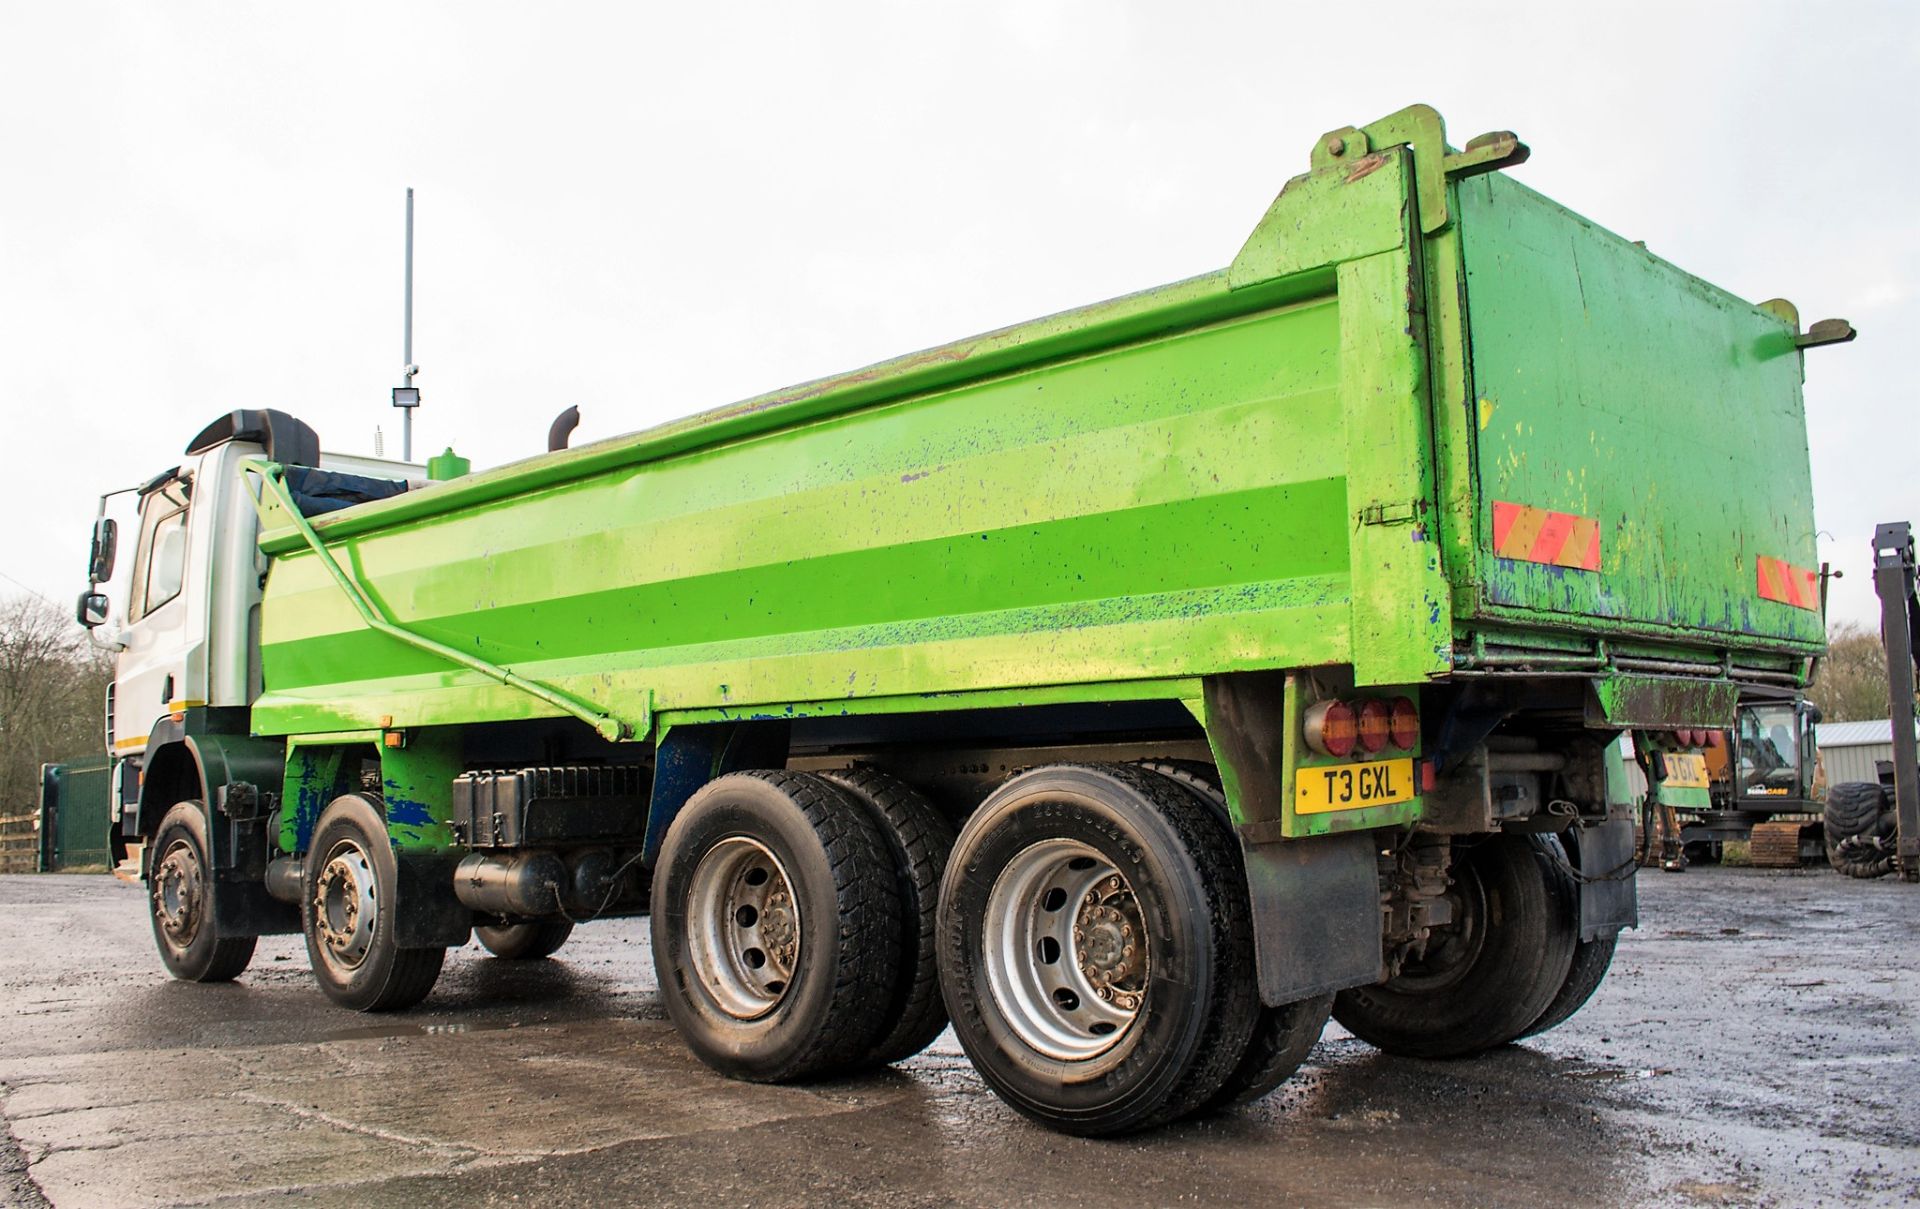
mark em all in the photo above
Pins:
pixel 1486 978
pixel 180 902
pixel 1282 1036
pixel 1095 948
pixel 529 941
pixel 776 926
pixel 1591 960
pixel 919 838
pixel 347 913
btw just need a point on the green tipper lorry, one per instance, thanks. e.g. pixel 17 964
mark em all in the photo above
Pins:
pixel 1132 687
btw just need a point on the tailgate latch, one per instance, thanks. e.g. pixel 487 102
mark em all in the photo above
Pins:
pixel 1403 513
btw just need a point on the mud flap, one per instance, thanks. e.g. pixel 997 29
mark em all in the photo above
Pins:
pixel 426 914
pixel 1609 899
pixel 242 907
pixel 1316 915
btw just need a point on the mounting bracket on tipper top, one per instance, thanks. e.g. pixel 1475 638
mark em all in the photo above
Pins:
pixel 1423 129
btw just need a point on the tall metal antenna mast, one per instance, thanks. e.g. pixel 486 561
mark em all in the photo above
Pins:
pixel 407 396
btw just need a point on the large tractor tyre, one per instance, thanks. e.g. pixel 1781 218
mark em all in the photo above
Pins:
pixel 533 940
pixel 1095 948
pixel 1852 808
pixel 347 911
pixel 180 902
pixel 1282 1036
pixel 1487 977
pixel 1859 825
pixel 776 926
pixel 919 838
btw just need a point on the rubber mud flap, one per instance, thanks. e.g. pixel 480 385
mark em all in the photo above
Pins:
pixel 427 915
pixel 1611 900
pixel 1316 915
pixel 244 908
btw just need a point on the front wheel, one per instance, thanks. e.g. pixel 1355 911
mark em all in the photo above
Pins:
pixel 1490 975
pixel 347 913
pixel 180 902
pixel 1095 948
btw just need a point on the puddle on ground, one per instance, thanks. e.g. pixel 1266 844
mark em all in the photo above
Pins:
pixel 380 1032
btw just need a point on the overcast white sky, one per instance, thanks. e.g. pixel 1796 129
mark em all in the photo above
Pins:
pixel 647 210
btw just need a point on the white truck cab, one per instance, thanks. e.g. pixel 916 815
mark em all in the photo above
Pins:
pixel 189 636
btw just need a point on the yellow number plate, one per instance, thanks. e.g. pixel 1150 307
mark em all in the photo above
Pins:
pixel 1352 786
pixel 1686 770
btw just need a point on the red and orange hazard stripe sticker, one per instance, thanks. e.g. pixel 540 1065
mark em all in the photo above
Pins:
pixel 1539 535
pixel 1790 585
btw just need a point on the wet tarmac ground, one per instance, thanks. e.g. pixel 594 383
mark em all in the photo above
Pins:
pixel 1758 1043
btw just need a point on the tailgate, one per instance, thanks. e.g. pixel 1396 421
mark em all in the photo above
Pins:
pixel 1642 448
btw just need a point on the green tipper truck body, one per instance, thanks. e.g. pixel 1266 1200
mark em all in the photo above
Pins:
pixel 1291 463
pixel 1373 541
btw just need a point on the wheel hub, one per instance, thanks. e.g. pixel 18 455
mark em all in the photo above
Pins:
pixel 344 907
pixel 177 885
pixel 1107 943
pixel 1066 951
pixel 743 927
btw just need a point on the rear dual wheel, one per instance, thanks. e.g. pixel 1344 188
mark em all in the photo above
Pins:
pixel 1504 968
pixel 777 926
pixel 1283 1036
pixel 1095 948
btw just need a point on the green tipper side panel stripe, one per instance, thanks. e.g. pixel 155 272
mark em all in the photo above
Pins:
pixel 1611 385
pixel 1211 542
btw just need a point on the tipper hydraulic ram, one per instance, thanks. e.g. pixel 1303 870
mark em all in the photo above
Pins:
pixel 1134 686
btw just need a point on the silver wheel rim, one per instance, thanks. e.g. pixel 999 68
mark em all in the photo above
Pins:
pixel 177 890
pixel 344 907
pixel 1066 950
pixel 743 927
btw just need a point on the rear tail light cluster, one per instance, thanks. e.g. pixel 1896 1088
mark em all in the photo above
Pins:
pixel 1698 738
pixel 1370 726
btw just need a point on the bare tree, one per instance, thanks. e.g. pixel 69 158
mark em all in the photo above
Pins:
pixel 52 687
pixel 1851 685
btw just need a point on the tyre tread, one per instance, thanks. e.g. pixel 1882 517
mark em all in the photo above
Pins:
pixel 1282 1036
pixel 920 837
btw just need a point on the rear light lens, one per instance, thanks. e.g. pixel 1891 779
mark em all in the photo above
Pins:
pixel 1332 728
pixel 1376 725
pixel 1715 739
pixel 1404 728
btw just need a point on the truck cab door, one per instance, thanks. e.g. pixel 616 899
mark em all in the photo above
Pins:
pixel 151 677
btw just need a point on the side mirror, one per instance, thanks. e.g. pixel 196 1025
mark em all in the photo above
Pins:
pixel 1813 712
pixel 106 538
pixel 91 611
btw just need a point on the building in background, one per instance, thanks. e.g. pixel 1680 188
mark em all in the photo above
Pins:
pixel 1852 750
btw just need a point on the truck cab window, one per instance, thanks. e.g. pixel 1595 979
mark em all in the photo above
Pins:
pixel 160 565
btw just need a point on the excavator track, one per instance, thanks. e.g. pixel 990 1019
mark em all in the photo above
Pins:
pixel 1776 845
